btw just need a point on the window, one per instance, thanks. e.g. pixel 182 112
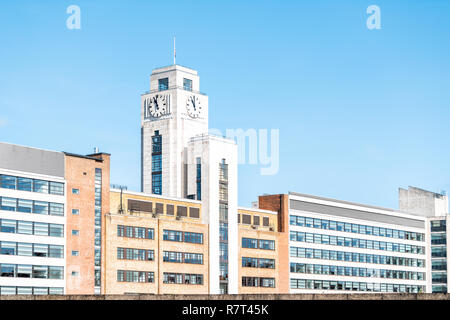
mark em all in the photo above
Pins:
pixel 187 84
pixel 249 243
pixel 40 186
pixel 8 182
pixel 41 229
pixel 75 253
pixel 25 227
pixel 75 232
pixel 171 235
pixel 75 274
pixel 8 248
pixel 40 207
pixel 193 237
pixel 40 272
pixel 8 204
pixel 8 226
pixel 25 206
pixel 163 84
pixel 75 211
pixel 24 184
pixel 75 191
pixel 57 188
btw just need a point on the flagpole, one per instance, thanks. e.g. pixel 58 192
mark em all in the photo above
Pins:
pixel 174 52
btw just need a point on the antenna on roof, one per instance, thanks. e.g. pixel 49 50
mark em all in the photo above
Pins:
pixel 174 51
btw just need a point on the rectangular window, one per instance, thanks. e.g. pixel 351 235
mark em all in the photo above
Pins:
pixel 40 207
pixel 24 184
pixel 40 186
pixel 187 84
pixel 75 191
pixel 8 226
pixel 8 204
pixel 25 227
pixel 163 84
pixel 25 206
pixel 8 182
pixel 41 229
pixel 57 188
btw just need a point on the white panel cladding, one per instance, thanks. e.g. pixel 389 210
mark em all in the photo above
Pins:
pixel 33 282
pixel 22 238
pixel 212 150
pixel 176 129
pixel 344 234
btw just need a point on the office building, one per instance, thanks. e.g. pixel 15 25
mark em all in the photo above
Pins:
pixel 51 204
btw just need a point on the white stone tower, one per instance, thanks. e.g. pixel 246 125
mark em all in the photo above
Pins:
pixel 172 111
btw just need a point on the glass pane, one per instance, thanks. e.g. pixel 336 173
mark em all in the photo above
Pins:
pixel 41 229
pixel 40 207
pixel 25 227
pixel 40 186
pixel 8 182
pixel 25 206
pixel 24 184
pixel 57 188
pixel 8 226
pixel 8 204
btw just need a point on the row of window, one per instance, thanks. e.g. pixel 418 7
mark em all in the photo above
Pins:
pixel 28 271
pixel 182 278
pixel 353 242
pixel 180 236
pixel 33 185
pixel 258 282
pixel 355 272
pixel 135 276
pixel 31 249
pixel 258 263
pixel 32 228
pixel 183 257
pixel 135 232
pixel 30 290
pixel 354 257
pixel 135 254
pixel 354 286
pixel 258 244
pixel 31 206
pixel 354 228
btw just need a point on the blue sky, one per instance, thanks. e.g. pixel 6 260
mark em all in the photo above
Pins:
pixel 361 112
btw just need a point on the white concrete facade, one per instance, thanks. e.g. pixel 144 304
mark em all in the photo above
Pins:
pixel 11 282
pixel 212 151
pixel 344 212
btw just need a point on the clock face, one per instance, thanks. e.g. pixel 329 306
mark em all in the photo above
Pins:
pixel 193 106
pixel 157 106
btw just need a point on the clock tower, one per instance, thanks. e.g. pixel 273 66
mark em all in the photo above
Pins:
pixel 172 112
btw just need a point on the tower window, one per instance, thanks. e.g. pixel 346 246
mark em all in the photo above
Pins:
pixel 187 84
pixel 199 179
pixel 163 84
pixel 157 163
